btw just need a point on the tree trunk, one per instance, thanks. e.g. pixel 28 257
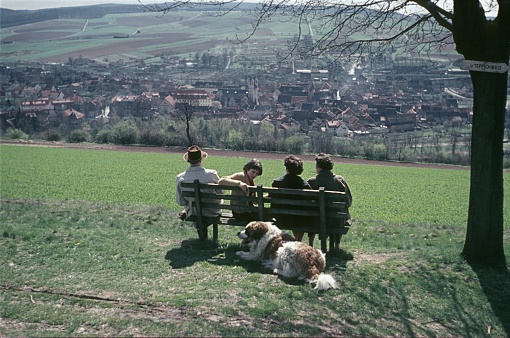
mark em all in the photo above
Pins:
pixel 485 40
pixel 188 133
pixel 484 239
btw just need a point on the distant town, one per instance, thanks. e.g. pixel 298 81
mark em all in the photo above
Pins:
pixel 358 101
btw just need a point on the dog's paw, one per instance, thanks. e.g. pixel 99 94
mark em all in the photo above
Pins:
pixel 277 271
pixel 239 253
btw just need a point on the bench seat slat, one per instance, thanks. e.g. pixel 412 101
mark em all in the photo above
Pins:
pixel 239 208
pixel 214 197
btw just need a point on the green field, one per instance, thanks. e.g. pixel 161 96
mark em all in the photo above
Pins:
pixel 91 246
pixel 381 193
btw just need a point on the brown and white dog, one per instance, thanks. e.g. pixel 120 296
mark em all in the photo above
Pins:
pixel 290 259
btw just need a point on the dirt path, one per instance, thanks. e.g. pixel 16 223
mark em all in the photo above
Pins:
pixel 223 153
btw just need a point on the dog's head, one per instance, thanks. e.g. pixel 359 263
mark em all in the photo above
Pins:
pixel 254 231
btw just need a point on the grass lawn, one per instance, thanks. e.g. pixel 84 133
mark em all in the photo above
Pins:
pixel 87 257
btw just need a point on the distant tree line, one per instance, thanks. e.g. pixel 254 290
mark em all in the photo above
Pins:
pixel 443 144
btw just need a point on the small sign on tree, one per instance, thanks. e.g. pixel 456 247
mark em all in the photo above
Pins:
pixel 487 67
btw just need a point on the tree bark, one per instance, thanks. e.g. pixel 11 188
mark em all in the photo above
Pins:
pixel 484 237
pixel 482 40
pixel 479 39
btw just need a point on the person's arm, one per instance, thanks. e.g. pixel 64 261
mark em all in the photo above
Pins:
pixel 178 192
pixel 345 187
pixel 348 195
pixel 234 180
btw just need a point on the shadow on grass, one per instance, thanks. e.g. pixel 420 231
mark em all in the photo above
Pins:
pixel 193 250
pixel 190 252
pixel 496 286
pixel 231 258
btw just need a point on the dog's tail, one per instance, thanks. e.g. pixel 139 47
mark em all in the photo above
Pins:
pixel 325 281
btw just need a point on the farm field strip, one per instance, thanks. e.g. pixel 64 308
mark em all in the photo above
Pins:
pixel 171 28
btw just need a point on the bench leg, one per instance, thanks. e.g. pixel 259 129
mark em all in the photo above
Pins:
pixel 215 232
pixel 324 244
pixel 202 234
pixel 337 241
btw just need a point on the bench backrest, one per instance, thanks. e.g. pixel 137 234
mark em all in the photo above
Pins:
pixel 318 207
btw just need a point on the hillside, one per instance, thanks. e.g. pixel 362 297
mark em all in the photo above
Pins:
pixel 12 18
pixel 111 33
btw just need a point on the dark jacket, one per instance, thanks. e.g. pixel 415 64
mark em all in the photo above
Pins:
pixel 289 181
pixel 330 181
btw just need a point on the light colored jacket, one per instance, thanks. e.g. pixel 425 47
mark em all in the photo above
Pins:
pixel 191 174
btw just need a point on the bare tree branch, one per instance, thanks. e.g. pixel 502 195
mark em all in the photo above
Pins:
pixel 442 16
pixel 348 26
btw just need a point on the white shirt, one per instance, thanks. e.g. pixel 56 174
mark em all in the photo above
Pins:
pixel 191 174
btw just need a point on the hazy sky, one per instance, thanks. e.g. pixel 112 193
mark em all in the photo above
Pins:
pixel 38 4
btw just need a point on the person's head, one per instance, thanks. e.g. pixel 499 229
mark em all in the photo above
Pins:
pixel 293 164
pixel 323 162
pixel 194 155
pixel 253 168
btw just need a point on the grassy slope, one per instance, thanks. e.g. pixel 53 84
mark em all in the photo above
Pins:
pixel 78 263
pixel 180 33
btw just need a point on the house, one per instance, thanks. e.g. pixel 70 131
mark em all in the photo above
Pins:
pixel 167 105
pixel 290 94
pixel 337 128
pixel 402 121
pixel 36 105
pixel 352 121
pixel 131 105
pixel 72 113
pixel 233 96
pixel 61 105
pixel 401 124
pixel 52 93
pixel 194 97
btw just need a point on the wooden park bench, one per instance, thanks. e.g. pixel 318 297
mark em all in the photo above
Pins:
pixel 323 212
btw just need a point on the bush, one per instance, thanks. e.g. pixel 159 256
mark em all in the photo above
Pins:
pixel 175 139
pixel 125 132
pixel 270 144
pixel 16 134
pixel 251 144
pixel 53 135
pixel 294 144
pixel 103 136
pixel 375 152
pixel 153 138
pixel 78 136
pixel 235 140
